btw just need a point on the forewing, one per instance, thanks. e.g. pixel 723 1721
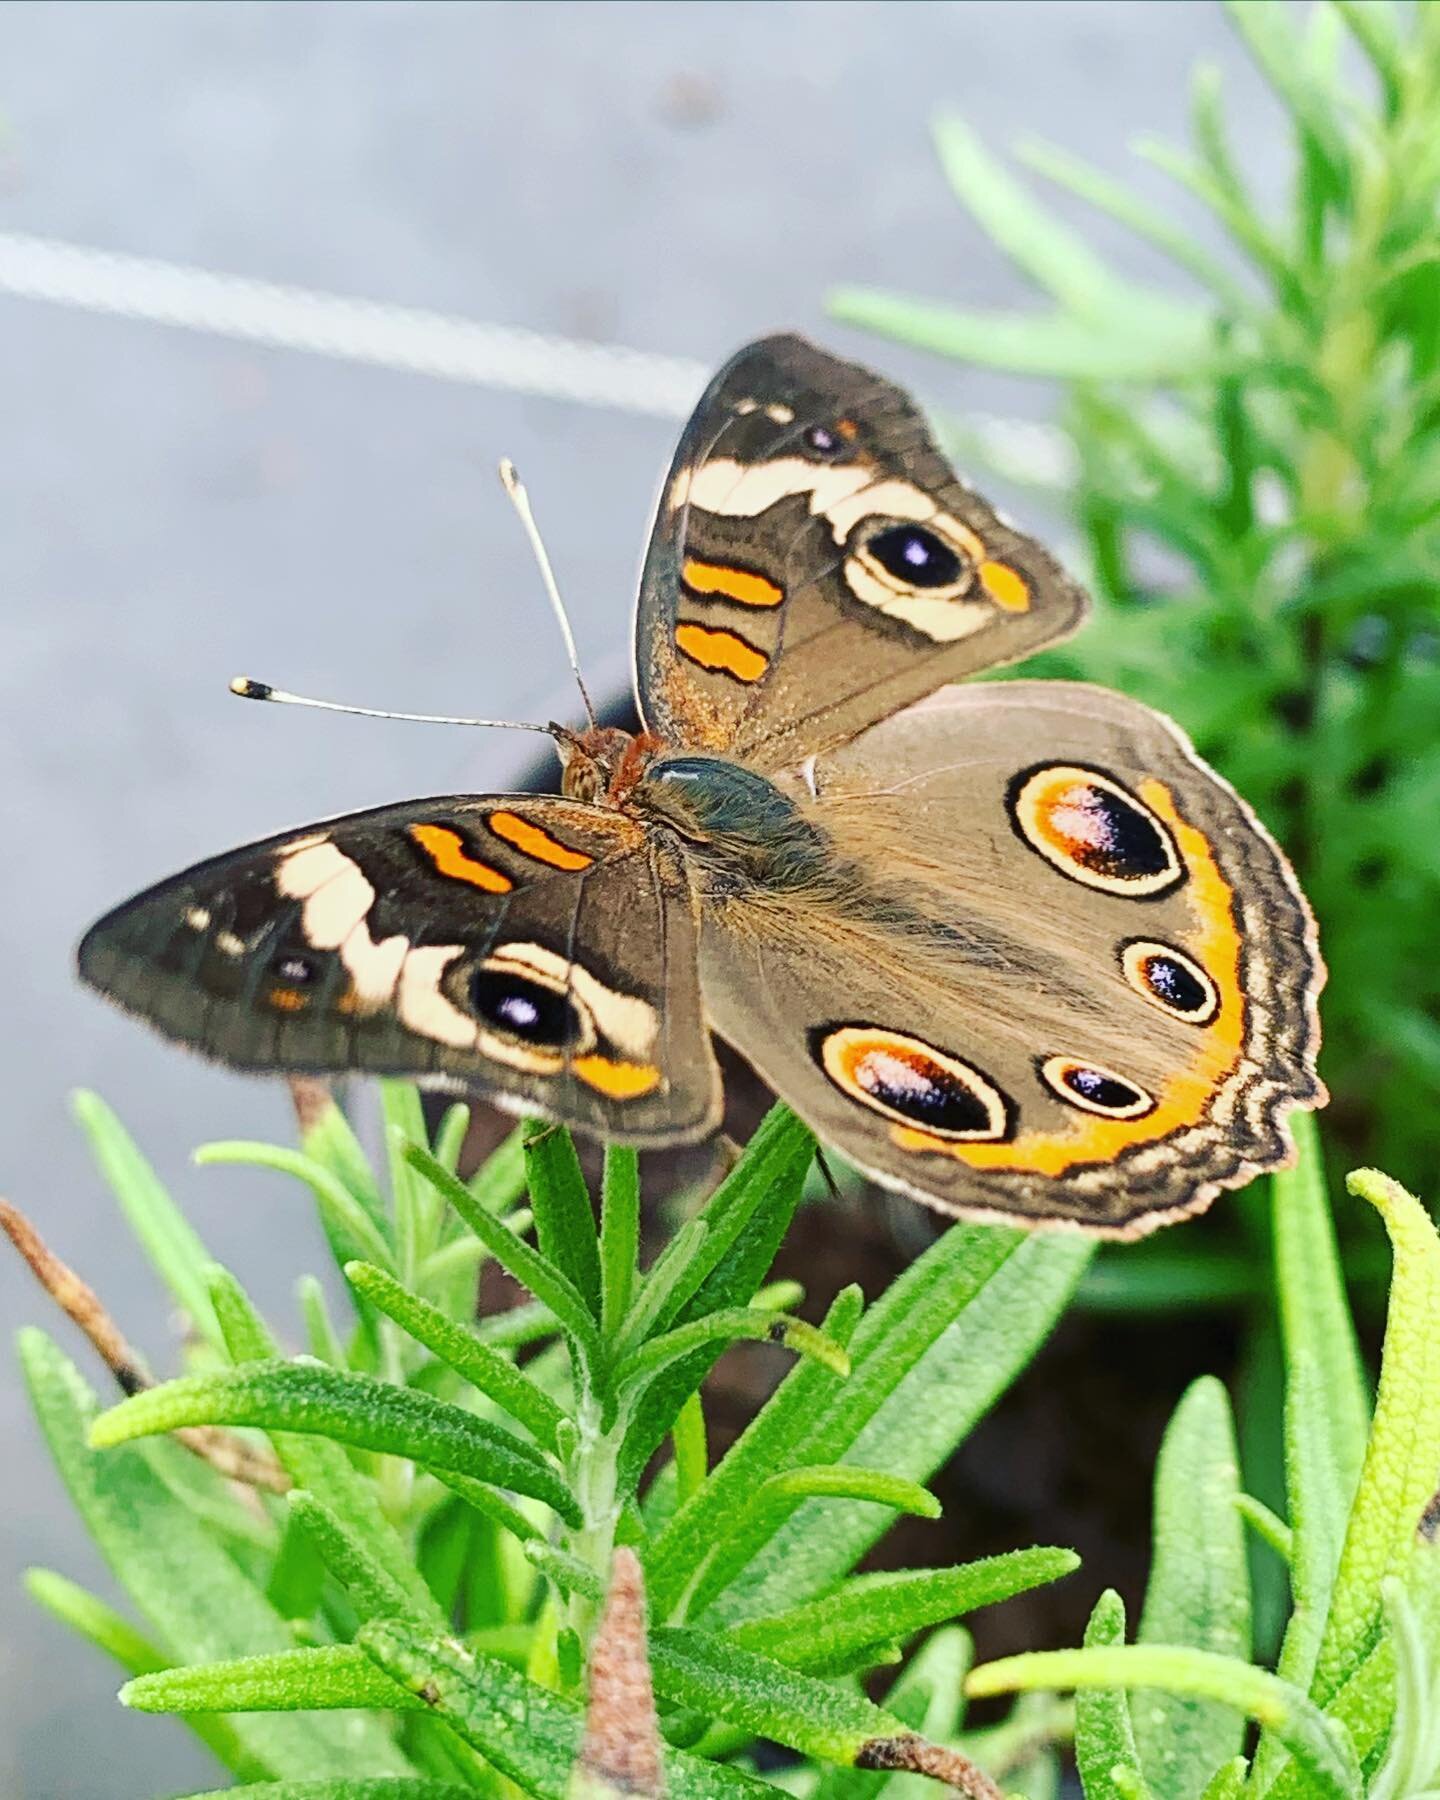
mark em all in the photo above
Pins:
pixel 535 951
pixel 816 565
pixel 1069 976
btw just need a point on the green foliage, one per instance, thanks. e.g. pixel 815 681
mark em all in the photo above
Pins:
pixel 1352 1709
pixel 1256 485
pixel 413 1617
pixel 461 1476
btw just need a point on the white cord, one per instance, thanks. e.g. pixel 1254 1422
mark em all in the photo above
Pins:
pixel 413 339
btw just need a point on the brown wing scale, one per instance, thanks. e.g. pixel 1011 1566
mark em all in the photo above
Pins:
pixel 1072 978
pixel 536 951
pixel 816 565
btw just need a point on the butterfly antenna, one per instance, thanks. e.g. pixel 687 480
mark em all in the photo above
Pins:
pixel 262 690
pixel 520 500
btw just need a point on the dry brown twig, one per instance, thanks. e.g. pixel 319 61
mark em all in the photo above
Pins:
pixel 621 1751
pixel 312 1098
pixel 229 1455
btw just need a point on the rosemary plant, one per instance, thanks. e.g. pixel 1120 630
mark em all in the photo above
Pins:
pixel 376 1569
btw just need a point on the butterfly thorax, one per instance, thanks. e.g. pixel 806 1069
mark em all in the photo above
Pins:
pixel 734 819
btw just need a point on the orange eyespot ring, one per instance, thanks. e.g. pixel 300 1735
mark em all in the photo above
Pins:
pixel 913 1083
pixel 1095 1089
pixel 1090 828
pixel 1171 980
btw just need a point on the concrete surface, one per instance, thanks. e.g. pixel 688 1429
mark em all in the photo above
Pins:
pixel 174 508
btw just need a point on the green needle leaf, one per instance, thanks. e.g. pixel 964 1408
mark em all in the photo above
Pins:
pixel 325 1679
pixel 763 1697
pixel 381 1788
pixel 349 1409
pixel 1267 1525
pixel 417 1210
pixel 1398 1477
pixel 1120 202
pixel 349 1221
pixel 165 1235
pixel 568 1573
pixel 85 1613
pixel 1105 1747
pixel 619 1236
pixel 321 1336
pixel 1053 256
pixel 1045 344
pixel 564 1217
pixel 1199 1590
pixel 329 1139
pixel 1320 1746
pixel 1315 1317
pixel 892 1607
pixel 491 1505
pixel 1327 1407
pixel 692 1450
pixel 484 1368
pixel 450 1136
pixel 731 1322
pixel 534 1271
pixel 372 1592
pixel 842 1481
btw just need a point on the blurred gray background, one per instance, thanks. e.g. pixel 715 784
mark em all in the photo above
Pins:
pixel 176 506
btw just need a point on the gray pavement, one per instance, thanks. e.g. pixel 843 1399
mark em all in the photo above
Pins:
pixel 174 508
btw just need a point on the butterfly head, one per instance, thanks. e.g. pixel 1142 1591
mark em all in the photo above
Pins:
pixel 603 764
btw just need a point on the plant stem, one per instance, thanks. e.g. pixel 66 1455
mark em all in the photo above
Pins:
pixel 594 1480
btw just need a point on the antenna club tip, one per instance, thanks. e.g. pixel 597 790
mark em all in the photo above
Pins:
pixel 251 690
pixel 509 477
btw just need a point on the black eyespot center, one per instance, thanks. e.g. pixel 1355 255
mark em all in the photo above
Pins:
pixel 1092 829
pixel 1095 1089
pixel 912 1082
pixel 1101 1089
pixel 521 1008
pixel 916 556
pixel 295 970
pixel 1119 839
pixel 928 1094
pixel 1170 979
pixel 1176 985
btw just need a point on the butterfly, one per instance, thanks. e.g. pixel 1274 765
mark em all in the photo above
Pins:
pixel 1011 948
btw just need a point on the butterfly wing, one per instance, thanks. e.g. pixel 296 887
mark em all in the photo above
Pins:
pixel 1066 975
pixel 816 565
pixel 536 951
